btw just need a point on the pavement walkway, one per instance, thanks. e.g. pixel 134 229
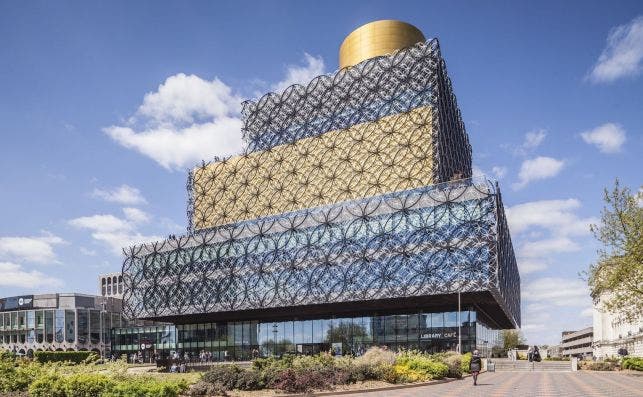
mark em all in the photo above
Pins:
pixel 530 384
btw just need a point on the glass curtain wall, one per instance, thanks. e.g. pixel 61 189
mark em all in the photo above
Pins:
pixel 243 340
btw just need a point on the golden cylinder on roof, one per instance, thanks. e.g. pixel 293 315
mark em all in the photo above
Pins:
pixel 376 39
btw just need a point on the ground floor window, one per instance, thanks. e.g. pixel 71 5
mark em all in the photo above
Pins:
pixel 244 340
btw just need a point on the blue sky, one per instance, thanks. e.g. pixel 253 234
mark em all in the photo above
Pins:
pixel 104 105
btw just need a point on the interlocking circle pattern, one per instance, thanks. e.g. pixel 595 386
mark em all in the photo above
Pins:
pixel 432 240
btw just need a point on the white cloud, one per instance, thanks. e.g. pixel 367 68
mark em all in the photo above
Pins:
pixel 588 312
pixel 185 121
pixel 13 275
pixel 189 119
pixel 499 171
pixel 119 240
pixel 623 54
pixel 30 249
pixel 532 140
pixel 186 99
pixel 113 231
pixel 550 246
pixel 123 194
pixel 101 223
pixel 544 228
pixel 556 215
pixel 608 138
pixel 87 252
pixel 301 74
pixel 557 292
pixel 477 172
pixel 135 215
pixel 537 169
pixel 530 265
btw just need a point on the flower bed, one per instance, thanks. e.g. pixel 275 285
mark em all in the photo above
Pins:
pixel 299 374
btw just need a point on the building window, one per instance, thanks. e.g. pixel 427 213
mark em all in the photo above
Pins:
pixel 49 326
pixel 70 326
pixel 94 324
pixel 83 326
pixel 60 326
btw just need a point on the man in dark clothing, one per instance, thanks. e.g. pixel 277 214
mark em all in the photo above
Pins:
pixel 475 366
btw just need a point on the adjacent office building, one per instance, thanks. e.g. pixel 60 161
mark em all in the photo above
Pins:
pixel 577 343
pixel 111 284
pixel 351 219
pixel 63 322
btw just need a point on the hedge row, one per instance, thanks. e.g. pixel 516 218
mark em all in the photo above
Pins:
pixel 74 357
pixel 95 385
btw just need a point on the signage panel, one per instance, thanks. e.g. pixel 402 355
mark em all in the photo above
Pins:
pixel 16 303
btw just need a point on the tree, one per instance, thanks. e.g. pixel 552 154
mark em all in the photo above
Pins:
pixel 617 277
pixel 511 338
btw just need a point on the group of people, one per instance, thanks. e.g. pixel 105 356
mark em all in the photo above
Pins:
pixel 533 354
pixel 180 367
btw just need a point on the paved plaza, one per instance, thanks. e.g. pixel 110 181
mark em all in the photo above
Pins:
pixel 523 384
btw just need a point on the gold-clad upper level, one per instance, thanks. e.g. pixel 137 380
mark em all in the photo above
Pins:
pixel 375 39
pixel 390 154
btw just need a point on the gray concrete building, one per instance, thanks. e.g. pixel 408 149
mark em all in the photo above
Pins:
pixel 62 322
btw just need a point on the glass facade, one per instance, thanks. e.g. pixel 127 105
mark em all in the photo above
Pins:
pixel 243 340
pixel 51 329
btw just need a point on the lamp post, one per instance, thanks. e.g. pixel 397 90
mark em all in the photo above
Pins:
pixel 459 327
pixel 274 338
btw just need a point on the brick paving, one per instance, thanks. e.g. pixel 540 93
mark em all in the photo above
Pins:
pixel 527 384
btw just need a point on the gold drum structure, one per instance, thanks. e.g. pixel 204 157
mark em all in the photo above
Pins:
pixel 376 39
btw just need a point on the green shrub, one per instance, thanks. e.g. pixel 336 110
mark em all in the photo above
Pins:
pixel 597 366
pixel 465 362
pixel 86 385
pixel 318 361
pixel 146 387
pixel 202 388
pixel 74 357
pixel 454 363
pixel 249 380
pixel 634 363
pixel 49 385
pixel 412 366
pixel 300 381
pixel 376 356
pixel 225 376
pixel 17 375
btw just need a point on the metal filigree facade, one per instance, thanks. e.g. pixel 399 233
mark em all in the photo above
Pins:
pixel 387 124
pixel 433 240
pixel 342 195
pixel 390 154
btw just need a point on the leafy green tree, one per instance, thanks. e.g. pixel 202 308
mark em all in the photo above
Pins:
pixel 617 277
pixel 511 338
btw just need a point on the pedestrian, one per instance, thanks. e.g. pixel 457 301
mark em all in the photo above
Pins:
pixel 530 354
pixel 475 365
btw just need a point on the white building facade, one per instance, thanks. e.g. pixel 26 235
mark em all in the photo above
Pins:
pixel 612 335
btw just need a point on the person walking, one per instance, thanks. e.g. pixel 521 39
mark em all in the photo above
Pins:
pixel 536 354
pixel 475 365
pixel 530 354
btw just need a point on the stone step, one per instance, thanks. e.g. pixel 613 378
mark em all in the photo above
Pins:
pixel 509 365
